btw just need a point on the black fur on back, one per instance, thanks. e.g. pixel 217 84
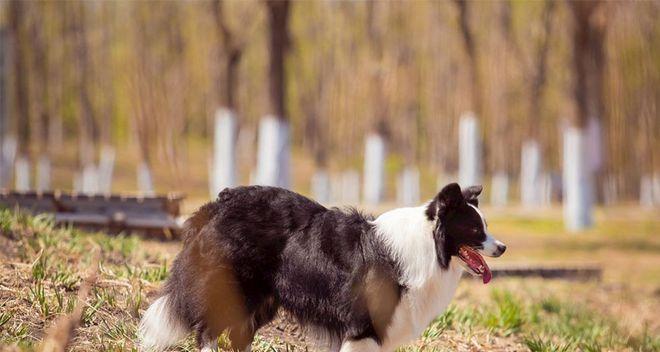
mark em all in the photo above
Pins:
pixel 286 251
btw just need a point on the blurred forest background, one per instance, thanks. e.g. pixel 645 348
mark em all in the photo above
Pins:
pixel 136 85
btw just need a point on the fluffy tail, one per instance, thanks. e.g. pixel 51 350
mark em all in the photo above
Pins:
pixel 160 327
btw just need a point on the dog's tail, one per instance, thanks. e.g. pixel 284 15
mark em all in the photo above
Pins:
pixel 160 326
pixel 163 325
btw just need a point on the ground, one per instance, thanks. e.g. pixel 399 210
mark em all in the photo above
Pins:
pixel 42 269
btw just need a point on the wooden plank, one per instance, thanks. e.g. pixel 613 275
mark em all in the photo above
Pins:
pixel 577 273
pixel 156 216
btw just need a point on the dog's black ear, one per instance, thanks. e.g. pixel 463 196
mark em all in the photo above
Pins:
pixel 441 250
pixel 471 193
pixel 449 198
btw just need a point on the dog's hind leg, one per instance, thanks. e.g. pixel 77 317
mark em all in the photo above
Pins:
pixel 210 347
pixel 363 345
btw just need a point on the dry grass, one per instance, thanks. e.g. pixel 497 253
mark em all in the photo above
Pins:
pixel 42 270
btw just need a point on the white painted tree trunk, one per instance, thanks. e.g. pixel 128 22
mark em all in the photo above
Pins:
pixel 610 190
pixel 106 169
pixel 89 180
pixel 321 186
pixel 594 145
pixel 499 189
pixel 374 168
pixel 22 174
pixel 530 174
pixel 43 173
pixel 224 151
pixel 5 167
pixel 469 150
pixel 350 187
pixel 547 189
pixel 578 181
pixel 7 159
pixel 144 179
pixel 656 189
pixel 335 188
pixel 649 190
pixel 408 187
pixel 273 154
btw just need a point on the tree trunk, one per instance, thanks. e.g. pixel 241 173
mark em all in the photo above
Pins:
pixel 224 171
pixel 532 188
pixel 21 92
pixel 229 57
pixel 408 186
pixel 224 151
pixel 581 142
pixel 375 150
pixel 471 51
pixel 5 166
pixel 278 15
pixel 42 121
pixel 469 150
pixel 87 130
pixel 106 73
pixel 374 168
pixel 539 75
pixel 274 154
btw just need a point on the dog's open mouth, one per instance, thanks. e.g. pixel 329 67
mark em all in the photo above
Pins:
pixel 475 262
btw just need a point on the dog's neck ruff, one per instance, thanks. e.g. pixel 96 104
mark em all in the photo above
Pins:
pixel 408 235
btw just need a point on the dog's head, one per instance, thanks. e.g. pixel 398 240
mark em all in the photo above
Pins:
pixel 461 230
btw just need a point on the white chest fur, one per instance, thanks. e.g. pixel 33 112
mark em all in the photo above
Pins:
pixel 419 306
pixel 409 235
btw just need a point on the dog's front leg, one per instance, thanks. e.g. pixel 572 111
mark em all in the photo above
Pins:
pixel 363 345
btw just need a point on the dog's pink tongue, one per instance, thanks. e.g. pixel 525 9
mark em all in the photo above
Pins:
pixel 476 262
pixel 487 275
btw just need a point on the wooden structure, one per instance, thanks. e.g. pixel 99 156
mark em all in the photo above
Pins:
pixel 154 216
pixel 572 273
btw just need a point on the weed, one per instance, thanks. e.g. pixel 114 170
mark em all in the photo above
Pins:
pixel 538 344
pixel 38 296
pixel 39 267
pixel 4 318
pixel 156 274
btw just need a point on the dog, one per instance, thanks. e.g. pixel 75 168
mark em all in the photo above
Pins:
pixel 366 284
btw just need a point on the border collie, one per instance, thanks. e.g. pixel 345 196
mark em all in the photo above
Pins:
pixel 366 284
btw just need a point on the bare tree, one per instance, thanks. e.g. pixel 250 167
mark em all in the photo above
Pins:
pixel 376 139
pixel 42 123
pixel 17 25
pixel 471 51
pixel 273 159
pixel 230 51
pixel 105 76
pixel 88 131
pixel 581 147
pixel 279 44
pixel 5 164
pixel 539 75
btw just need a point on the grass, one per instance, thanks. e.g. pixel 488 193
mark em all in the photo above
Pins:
pixel 42 266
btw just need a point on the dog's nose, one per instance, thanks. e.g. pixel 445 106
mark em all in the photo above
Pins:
pixel 501 248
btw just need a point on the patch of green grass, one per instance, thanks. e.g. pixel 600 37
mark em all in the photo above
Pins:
pixel 507 316
pixel 440 324
pixel 544 324
pixel 539 344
